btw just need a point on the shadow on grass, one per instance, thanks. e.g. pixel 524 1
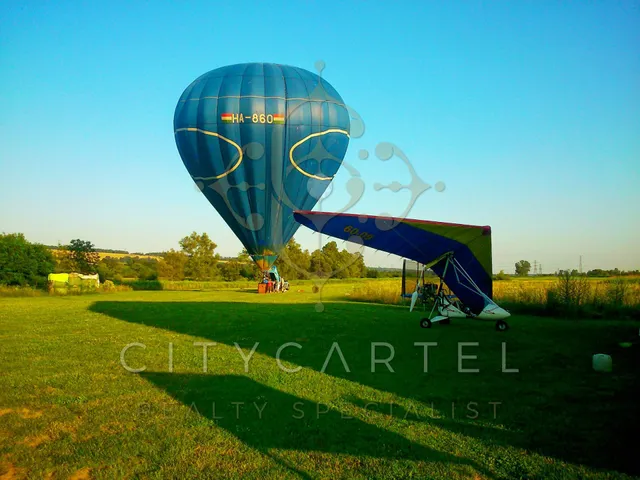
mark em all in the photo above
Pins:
pixel 556 405
pixel 265 418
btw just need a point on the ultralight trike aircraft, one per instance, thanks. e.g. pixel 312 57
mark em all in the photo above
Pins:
pixel 460 255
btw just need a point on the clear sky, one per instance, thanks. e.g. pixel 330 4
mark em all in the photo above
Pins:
pixel 528 112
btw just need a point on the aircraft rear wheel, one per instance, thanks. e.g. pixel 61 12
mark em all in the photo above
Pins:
pixel 501 325
pixel 425 323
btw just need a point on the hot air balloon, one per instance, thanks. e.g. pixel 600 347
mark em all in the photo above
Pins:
pixel 261 140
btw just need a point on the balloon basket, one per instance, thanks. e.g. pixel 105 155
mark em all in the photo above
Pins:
pixel 262 288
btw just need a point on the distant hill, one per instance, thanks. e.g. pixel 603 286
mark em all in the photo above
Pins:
pixel 108 252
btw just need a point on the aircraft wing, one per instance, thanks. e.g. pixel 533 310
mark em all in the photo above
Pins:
pixel 422 241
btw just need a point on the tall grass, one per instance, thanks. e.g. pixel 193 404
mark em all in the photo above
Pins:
pixel 378 291
pixel 565 296
pixel 17 291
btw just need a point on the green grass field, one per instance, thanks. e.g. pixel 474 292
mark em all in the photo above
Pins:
pixel 69 409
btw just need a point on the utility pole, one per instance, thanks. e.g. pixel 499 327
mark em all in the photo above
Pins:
pixel 540 269
pixel 580 265
pixel 535 270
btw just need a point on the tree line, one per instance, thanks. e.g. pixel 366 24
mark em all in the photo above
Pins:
pixel 26 263
pixel 523 267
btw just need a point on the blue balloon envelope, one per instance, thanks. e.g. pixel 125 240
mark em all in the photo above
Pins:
pixel 261 140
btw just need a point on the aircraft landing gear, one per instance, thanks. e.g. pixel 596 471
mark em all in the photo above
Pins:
pixel 501 325
pixel 425 323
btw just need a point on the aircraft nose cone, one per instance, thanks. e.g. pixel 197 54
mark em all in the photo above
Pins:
pixel 499 313
pixel 494 312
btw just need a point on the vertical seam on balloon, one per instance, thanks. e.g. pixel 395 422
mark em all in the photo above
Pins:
pixel 249 234
pixel 253 200
pixel 230 192
pixel 278 212
pixel 200 121
pixel 220 84
pixel 296 197
pixel 250 178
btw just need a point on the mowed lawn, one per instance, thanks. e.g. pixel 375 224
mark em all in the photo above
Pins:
pixel 70 409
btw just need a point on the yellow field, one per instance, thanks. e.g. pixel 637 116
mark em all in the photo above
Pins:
pixel 624 291
pixel 114 255
pixel 122 255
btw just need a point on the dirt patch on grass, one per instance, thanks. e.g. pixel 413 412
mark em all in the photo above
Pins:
pixel 58 429
pixel 8 471
pixel 26 413
pixel 52 433
pixel 23 412
pixel 36 440
pixel 82 474
pixel 115 428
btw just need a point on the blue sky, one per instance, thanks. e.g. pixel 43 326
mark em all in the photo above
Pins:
pixel 528 111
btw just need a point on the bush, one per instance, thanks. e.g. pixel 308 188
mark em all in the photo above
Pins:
pixel 23 263
pixel 568 295
pixel 110 287
pixel 617 292
pixel 501 276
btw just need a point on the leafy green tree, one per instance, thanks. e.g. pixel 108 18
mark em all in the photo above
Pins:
pixel 247 267
pixel 598 272
pixel 110 268
pixel 522 268
pixel 325 261
pixel 202 259
pixel 145 269
pixel 79 256
pixel 293 262
pixel 373 273
pixel 22 262
pixel 172 266
pixel 230 270
pixel 330 250
pixel 244 256
pixel 357 268
pixel 320 264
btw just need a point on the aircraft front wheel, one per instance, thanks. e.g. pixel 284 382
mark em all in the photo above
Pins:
pixel 501 325
pixel 425 323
